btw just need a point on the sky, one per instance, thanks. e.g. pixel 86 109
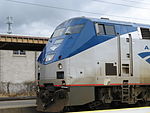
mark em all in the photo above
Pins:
pixel 41 17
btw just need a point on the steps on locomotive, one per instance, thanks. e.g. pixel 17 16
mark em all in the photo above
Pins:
pixel 125 92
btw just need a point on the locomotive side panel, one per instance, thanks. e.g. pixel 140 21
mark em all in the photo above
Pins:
pixel 54 73
pixel 143 66
pixel 81 95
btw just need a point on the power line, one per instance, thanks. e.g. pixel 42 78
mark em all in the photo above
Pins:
pixel 106 2
pixel 72 10
pixel 142 2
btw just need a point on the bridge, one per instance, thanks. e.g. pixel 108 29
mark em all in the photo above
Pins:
pixel 18 42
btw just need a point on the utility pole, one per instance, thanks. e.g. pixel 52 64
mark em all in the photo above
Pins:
pixel 9 22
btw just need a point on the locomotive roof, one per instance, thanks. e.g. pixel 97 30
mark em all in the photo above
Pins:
pixel 119 22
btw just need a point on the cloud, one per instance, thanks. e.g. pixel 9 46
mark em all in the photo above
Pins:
pixel 26 17
pixel 40 21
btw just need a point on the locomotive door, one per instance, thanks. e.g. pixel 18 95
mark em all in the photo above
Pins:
pixel 125 55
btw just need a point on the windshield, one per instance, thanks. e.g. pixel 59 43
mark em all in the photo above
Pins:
pixel 70 30
pixel 58 32
pixel 74 29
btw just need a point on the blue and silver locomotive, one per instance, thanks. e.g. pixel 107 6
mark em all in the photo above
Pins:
pixel 94 62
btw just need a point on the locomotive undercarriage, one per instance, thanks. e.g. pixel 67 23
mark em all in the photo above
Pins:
pixel 55 99
pixel 117 95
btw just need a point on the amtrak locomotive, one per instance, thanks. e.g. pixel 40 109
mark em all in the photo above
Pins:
pixel 94 62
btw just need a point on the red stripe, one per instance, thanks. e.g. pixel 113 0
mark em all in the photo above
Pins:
pixel 81 85
pixel 139 83
pixel 133 84
pixel 85 85
pixel 41 85
pixel 116 84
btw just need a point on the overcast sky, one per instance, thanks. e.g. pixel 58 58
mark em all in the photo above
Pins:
pixel 42 20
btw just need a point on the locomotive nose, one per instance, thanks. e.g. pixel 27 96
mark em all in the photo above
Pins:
pixel 52 99
pixel 46 95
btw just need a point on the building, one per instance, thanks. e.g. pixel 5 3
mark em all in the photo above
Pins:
pixel 18 56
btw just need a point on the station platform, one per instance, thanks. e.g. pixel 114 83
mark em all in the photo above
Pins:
pixel 124 110
pixel 29 106
pixel 17 104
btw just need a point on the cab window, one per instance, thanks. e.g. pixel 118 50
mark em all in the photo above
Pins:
pixel 145 33
pixel 109 30
pixel 102 29
pixel 58 32
pixel 74 29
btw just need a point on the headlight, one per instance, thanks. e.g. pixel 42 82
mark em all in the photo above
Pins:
pixel 39 68
pixel 60 66
pixel 49 57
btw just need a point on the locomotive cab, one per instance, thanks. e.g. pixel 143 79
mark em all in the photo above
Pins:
pixel 54 62
pixel 67 40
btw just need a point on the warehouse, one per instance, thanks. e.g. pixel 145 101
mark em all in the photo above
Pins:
pixel 18 55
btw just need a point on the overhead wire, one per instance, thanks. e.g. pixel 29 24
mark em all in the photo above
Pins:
pixel 107 2
pixel 142 2
pixel 73 10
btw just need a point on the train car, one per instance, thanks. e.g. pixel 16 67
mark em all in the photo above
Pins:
pixel 94 62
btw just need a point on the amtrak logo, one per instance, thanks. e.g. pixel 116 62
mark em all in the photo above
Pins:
pixel 145 55
pixel 147 48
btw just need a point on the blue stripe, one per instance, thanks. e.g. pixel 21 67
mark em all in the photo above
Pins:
pixel 144 54
pixel 148 60
pixel 92 42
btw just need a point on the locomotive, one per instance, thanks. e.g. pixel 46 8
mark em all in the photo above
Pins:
pixel 94 62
